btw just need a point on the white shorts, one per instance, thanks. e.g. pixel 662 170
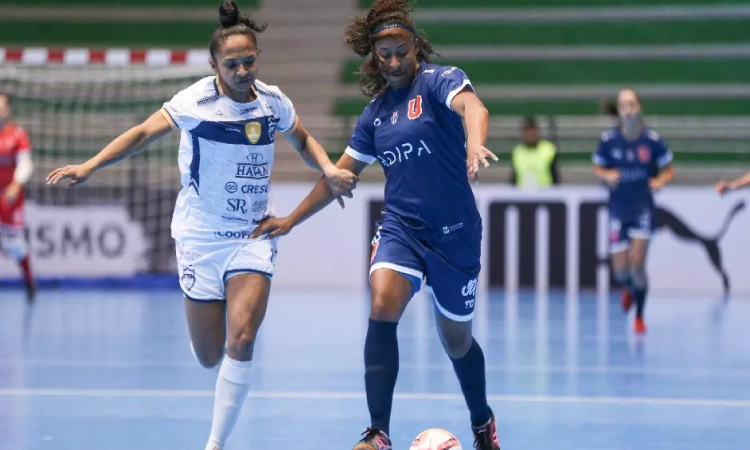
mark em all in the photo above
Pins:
pixel 205 266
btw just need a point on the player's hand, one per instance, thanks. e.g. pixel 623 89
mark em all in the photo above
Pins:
pixel 77 174
pixel 11 193
pixel 612 177
pixel 722 187
pixel 341 182
pixel 273 227
pixel 655 184
pixel 476 154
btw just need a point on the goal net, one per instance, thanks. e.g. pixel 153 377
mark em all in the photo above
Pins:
pixel 117 223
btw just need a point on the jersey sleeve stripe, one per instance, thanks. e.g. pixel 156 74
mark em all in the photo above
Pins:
pixel 455 92
pixel 598 160
pixel 169 118
pixel 664 160
pixel 360 156
pixel 292 127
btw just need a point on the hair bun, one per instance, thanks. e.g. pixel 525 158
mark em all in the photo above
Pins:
pixel 229 13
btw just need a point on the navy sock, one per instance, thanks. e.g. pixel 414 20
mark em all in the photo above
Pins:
pixel 381 371
pixel 639 294
pixel 471 377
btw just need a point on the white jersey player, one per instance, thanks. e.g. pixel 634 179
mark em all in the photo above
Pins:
pixel 228 124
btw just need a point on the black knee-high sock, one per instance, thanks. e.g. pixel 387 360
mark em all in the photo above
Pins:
pixel 471 377
pixel 381 371
pixel 639 293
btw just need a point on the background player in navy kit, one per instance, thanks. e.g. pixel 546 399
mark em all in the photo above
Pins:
pixel 634 161
pixel 431 227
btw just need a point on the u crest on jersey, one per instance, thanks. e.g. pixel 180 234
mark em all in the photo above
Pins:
pixel 252 131
pixel 415 107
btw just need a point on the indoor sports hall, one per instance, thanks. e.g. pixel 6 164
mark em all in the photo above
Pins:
pixel 95 350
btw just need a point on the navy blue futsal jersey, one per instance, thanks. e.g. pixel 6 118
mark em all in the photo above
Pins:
pixel 421 144
pixel 638 161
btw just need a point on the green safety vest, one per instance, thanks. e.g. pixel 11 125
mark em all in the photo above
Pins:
pixel 533 165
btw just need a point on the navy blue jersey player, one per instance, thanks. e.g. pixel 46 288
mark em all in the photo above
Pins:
pixel 430 230
pixel 634 162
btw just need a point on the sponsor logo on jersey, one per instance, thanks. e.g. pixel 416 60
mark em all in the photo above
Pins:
pixel 252 171
pixel 452 228
pixel 233 234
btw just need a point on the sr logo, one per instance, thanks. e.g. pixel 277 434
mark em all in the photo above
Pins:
pixel 237 205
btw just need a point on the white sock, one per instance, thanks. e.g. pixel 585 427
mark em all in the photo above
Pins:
pixel 232 387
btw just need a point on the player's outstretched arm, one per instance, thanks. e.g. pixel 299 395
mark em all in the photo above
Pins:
pixel 127 144
pixel 341 181
pixel 320 197
pixel 723 186
pixel 476 119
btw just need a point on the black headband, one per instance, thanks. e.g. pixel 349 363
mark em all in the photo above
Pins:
pixel 392 26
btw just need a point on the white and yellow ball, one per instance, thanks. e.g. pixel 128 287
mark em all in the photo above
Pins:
pixel 435 439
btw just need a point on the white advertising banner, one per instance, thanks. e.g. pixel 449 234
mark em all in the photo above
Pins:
pixel 554 239
pixel 81 241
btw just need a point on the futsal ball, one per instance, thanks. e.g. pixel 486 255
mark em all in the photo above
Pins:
pixel 435 439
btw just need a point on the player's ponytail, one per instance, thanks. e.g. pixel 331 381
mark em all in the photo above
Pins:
pixel 359 35
pixel 231 23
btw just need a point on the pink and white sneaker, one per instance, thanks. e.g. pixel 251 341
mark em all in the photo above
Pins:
pixel 485 436
pixel 373 439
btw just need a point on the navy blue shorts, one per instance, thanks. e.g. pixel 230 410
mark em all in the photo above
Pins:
pixel 449 268
pixel 623 228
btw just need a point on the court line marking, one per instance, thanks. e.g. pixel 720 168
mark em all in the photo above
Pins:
pixel 681 372
pixel 312 395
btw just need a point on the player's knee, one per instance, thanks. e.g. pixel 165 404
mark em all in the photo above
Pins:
pixel 456 340
pixel 622 277
pixel 640 280
pixel 14 245
pixel 384 308
pixel 456 345
pixel 240 343
pixel 208 357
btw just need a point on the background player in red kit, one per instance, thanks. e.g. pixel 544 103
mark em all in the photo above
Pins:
pixel 15 170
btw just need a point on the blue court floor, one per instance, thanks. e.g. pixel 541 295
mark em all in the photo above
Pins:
pixel 112 370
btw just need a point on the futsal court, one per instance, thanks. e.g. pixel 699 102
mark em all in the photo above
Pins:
pixel 113 370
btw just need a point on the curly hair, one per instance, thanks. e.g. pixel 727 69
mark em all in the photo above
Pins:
pixel 231 23
pixel 359 35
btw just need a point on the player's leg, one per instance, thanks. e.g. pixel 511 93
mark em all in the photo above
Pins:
pixel 395 275
pixel 13 240
pixel 452 277
pixel 640 234
pixel 248 284
pixel 207 326
pixel 619 247
pixel 200 268
pixel 639 250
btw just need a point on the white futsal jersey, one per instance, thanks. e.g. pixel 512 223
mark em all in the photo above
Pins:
pixel 225 159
